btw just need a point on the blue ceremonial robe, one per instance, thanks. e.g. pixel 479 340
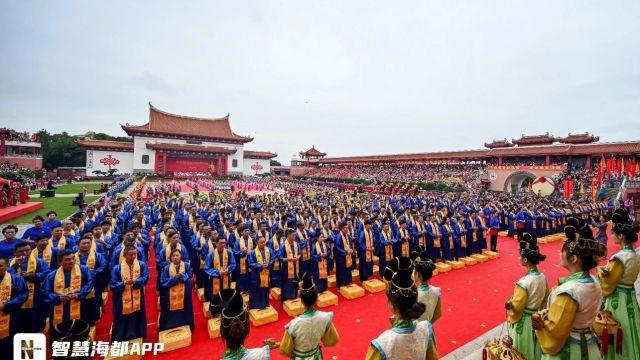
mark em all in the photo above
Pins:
pixel 287 287
pixel 242 278
pixel 258 295
pixel 7 248
pixel 447 242
pixel 98 273
pixel 365 267
pixel 19 294
pixel 34 319
pixel 384 248
pixel 134 325
pixel 433 235
pixel 176 318
pixel 325 253
pixel 472 232
pixel 211 272
pixel 305 247
pixel 459 236
pixel 512 225
pixel 85 289
pixel 274 245
pixel 343 273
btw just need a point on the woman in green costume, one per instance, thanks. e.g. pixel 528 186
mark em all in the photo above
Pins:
pixel 529 296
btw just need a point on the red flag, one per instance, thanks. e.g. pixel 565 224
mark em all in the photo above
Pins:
pixel 600 171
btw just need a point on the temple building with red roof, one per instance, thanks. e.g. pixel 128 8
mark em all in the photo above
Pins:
pixel 169 143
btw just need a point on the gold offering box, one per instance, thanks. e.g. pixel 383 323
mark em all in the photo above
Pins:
pixel 480 258
pixel 293 307
pixel 374 285
pixel 175 338
pixel 443 268
pixel 205 310
pixel 331 281
pixel 352 291
pixel 213 327
pixel 490 254
pixel 327 298
pixel 275 293
pixel 259 317
pixel 456 264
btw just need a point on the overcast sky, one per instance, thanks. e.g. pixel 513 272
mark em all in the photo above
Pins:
pixel 351 77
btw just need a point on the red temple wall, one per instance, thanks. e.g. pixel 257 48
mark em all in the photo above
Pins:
pixel 188 164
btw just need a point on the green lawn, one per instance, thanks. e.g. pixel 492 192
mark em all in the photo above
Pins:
pixel 73 188
pixel 61 205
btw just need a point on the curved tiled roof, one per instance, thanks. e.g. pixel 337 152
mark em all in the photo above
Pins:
pixel 314 152
pixel 106 145
pixel 161 122
pixel 259 154
pixel 190 148
pixel 620 148
pixel 585 138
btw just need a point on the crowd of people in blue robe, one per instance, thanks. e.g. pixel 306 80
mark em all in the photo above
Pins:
pixel 257 242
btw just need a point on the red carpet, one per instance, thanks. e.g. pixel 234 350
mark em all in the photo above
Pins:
pixel 472 303
pixel 12 212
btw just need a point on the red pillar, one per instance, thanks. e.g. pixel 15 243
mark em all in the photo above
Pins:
pixel 155 164
pixel 218 166
pixel 225 165
pixel 500 161
pixel 548 160
pixel 589 162
pixel 164 163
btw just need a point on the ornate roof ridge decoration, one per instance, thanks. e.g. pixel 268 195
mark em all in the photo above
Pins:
pixel 498 144
pixel 543 139
pixel 190 148
pixel 585 138
pixel 106 145
pixel 173 125
pixel 259 154
pixel 313 152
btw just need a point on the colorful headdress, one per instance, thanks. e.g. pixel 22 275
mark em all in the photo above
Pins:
pixel 236 310
pixel 580 239
pixel 398 274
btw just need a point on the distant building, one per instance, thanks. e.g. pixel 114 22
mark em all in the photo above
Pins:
pixel 172 144
pixel 19 150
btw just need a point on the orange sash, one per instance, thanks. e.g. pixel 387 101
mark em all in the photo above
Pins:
pixel 176 292
pixel 91 264
pixel 321 249
pixel 368 244
pixel 130 297
pixel 404 234
pixel 5 295
pixel 388 249
pixel 347 247
pixel 276 247
pixel 448 227
pixel 220 267
pixel 291 265
pixel 436 230
pixel 306 254
pixel 264 273
pixel 59 287
pixel 243 247
pixel 32 265
pixel 421 237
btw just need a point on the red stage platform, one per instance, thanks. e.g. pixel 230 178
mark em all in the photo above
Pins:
pixel 12 212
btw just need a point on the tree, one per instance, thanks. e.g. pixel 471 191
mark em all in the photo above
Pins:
pixel 60 150
pixel 99 172
pixel 275 163
pixel 112 172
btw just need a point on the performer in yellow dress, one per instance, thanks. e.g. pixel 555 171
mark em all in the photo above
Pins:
pixel 408 338
pixel 234 329
pixel 529 296
pixel 617 280
pixel 302 336
pixel 429 295
pixel 564 331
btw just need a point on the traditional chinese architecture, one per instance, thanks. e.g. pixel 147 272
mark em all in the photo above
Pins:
pixel 20 149
pixel 580 139
pixel 169 143
pixel 495 144
pixel 312 155
pixel 531 140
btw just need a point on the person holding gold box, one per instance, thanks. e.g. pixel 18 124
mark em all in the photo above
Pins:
pixel 13 293
pixel 289 256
